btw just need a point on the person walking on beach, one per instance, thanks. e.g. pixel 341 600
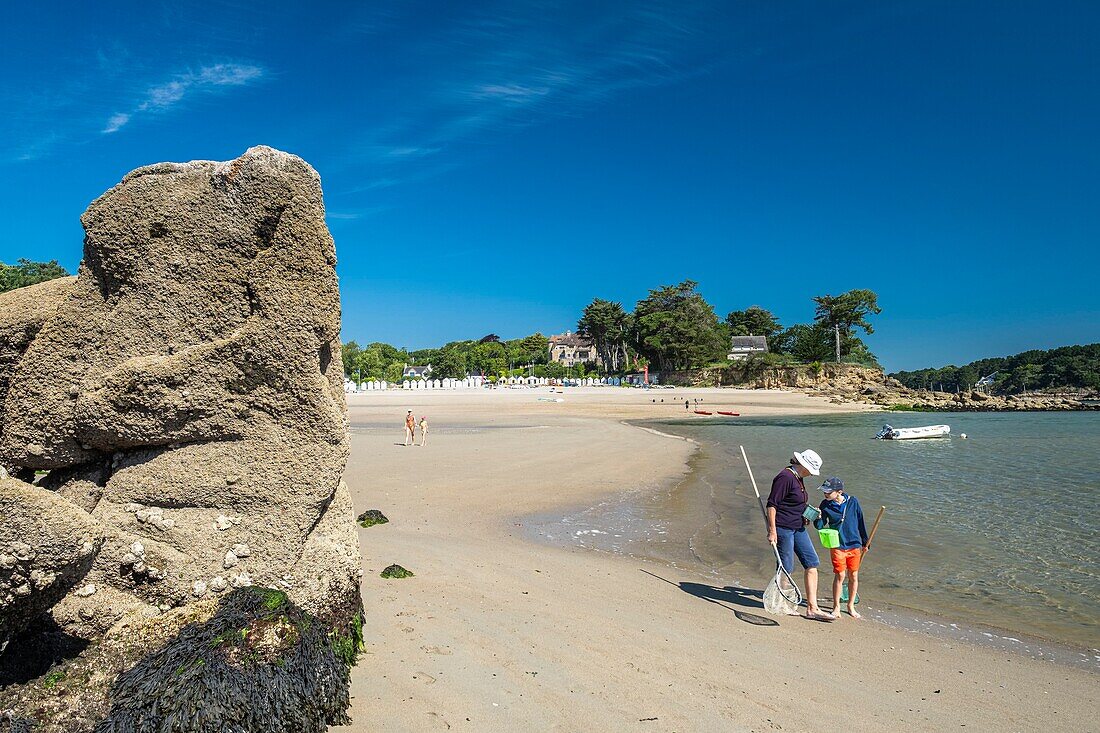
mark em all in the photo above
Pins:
pixel 787 525
pixel 423 430
pixel 842 512
pixel 410 422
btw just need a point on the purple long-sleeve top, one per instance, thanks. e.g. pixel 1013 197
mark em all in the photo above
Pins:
pixel 789 499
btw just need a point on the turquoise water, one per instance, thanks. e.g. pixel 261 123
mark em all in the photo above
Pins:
pixel 997 530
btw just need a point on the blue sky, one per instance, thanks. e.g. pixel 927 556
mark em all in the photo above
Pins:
pixel 491 167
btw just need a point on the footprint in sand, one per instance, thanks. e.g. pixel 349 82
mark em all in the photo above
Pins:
pixel 438 720
pixel 442 650
pixel 424 677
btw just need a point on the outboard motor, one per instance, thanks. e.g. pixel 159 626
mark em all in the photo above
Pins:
pixel 886 433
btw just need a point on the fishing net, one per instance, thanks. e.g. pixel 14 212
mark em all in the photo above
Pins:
pixel 781 597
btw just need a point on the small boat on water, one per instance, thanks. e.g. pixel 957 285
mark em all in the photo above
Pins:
pixel 729 414
pixel 703 412
pixel 928 431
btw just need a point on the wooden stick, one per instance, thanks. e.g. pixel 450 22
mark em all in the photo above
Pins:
pixel 874 527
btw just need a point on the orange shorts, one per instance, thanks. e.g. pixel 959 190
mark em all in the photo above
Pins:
pixel 846 560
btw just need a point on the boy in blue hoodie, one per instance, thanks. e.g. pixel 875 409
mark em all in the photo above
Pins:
pixel 842 512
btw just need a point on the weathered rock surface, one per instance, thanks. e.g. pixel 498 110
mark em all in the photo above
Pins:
pixel 187 394
pixel 47 545
pixel 23 312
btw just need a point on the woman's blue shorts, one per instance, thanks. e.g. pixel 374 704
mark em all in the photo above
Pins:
pixel 796 542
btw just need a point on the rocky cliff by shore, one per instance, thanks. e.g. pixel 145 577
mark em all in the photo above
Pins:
pixel 174 427
pixel 848 383
pixel 875 389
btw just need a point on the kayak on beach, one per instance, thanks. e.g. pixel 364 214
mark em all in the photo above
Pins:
pixel 729 414
pixel 703 412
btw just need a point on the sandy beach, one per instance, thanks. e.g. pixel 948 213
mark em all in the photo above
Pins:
pixel 499 633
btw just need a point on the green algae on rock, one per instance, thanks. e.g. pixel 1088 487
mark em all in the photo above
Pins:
pixel 371 517
pixel 349 643
pixel 396 571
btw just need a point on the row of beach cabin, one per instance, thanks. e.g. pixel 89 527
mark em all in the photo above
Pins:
pixel 479 383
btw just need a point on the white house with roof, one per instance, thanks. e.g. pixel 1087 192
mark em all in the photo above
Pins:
pixel 742 347
pixel 411 371
pixel 570 349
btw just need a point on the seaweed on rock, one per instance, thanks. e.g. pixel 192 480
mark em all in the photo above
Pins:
pixel 349 643
pixel 11 723
pixel 371 517
pixel 259 664
pixel 396 571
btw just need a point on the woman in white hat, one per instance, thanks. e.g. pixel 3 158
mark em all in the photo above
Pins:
pixel 787 526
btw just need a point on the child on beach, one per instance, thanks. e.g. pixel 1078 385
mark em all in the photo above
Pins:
pixel 842 512
pixel 423 430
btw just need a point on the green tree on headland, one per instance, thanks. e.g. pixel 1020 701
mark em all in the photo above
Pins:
pixel 805 342
pixel 676 328
pixel 606 324
pixel 529 350
pixel 25 273
pixel 1067 367
pixel 845 312
pixel 753 321
pixel 1026 374
pixel 449 362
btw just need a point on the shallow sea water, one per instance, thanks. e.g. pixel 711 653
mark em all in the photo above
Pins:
pixel 998 530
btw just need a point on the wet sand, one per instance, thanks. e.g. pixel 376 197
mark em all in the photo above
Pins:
pixel 496 632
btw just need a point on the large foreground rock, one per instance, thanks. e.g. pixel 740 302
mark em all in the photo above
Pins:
pixel 23 312
pixel 47 545
pixel 187 394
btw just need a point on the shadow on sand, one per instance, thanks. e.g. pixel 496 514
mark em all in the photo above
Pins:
pixel 727 598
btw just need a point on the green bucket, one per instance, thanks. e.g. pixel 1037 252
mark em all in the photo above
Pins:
pixel 830 538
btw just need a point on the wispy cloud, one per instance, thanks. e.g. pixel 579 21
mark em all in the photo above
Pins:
pixel 116 122
pixel 206 80
pixel 409 151
pixel 504 68
pixel 365 213
pixel 38 147
pixel 509 91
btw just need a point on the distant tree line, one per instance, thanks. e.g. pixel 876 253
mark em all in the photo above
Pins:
pixel 488 356
pixel 675 328
pixel 1068 367
pixel 672 328
pixel 26 272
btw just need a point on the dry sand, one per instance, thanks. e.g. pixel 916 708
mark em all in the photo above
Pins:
pixel 498 633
